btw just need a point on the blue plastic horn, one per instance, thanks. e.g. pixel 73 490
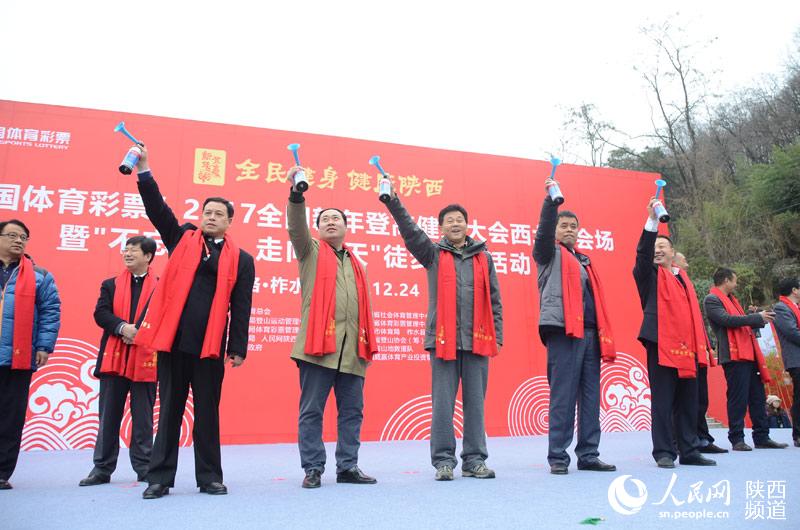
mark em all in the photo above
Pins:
pixel 659 210
pixel 376 161
pixel 555 161
pixel 294 148
pixel 120 128
pixel 300 180
pixel 553 189
pixel 385 186
pixel 659 186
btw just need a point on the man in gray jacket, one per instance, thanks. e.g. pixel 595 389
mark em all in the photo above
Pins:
pixel 787 324
pixel 573 352
pixel 464 328
pixel 742 361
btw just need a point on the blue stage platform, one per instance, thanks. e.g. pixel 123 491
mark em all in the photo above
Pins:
pixel 745 490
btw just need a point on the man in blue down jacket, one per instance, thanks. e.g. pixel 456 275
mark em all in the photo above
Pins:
pixel 31 316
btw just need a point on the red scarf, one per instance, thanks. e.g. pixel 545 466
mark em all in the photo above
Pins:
pixel 160 324
pixel 741 340
pixel 24 305
pixel 134 362
pixel 484 338
pixel 572 292
pixel 681 333
pixel 321 329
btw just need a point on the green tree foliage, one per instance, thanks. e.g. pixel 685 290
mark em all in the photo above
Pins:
pixel 735 177
pixel 775 186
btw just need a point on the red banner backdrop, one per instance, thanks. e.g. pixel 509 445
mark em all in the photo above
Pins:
pixel 58 173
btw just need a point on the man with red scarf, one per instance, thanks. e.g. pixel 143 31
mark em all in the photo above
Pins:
pixel 335 342
pixel 207 277
pixel 30 316
pixel 674 336
pixel 464 329
pixel 575 328
pixel 787 326
pixel 122 367
pixel 707 444
pixel 742 360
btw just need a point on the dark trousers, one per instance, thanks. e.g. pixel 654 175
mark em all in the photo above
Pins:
pixel 672 400
pixel 795 411
pixel 14 386
pixel 315 387
pixel 745 390
pixel 113 392
pixel 702 407
pixel 176 372
pixel 573 373
pixel 472 371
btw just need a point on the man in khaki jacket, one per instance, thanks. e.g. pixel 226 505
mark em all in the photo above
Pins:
pixel 335 341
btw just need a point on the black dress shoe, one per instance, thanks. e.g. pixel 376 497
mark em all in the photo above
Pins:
pixel 665 462
pixel 741 446
pixel 596 465
pixel 94 480
pixel 771 444
pixel 712 449
pixel 354 476
pixel 797 443
pixel 697 460
pixel 313 479
pixel 5 485
pixel 155 491
pixel 559 469
pixel 214 488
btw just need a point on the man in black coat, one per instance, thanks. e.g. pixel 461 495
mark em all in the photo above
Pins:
pixel 186 362
pixel 740 362
pixel 114 387
pixel 707 444
pixel 673 396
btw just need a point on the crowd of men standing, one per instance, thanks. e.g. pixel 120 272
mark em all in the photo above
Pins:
pixel 174 333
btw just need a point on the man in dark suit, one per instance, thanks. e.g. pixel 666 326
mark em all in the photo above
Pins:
pixel 742 360
pixel 707 444
pixel 787 324
pixel 120 314
pixel 206 276
pixel 673 335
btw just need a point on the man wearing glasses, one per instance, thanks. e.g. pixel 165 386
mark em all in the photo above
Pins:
pixel 31 317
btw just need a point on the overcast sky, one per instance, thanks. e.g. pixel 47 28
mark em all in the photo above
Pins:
pixel 492 76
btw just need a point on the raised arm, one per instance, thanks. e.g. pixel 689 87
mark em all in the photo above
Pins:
pixel 157 210
pixel 299 234
pixel 416 240
pixel 646 250
pixel 545 245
